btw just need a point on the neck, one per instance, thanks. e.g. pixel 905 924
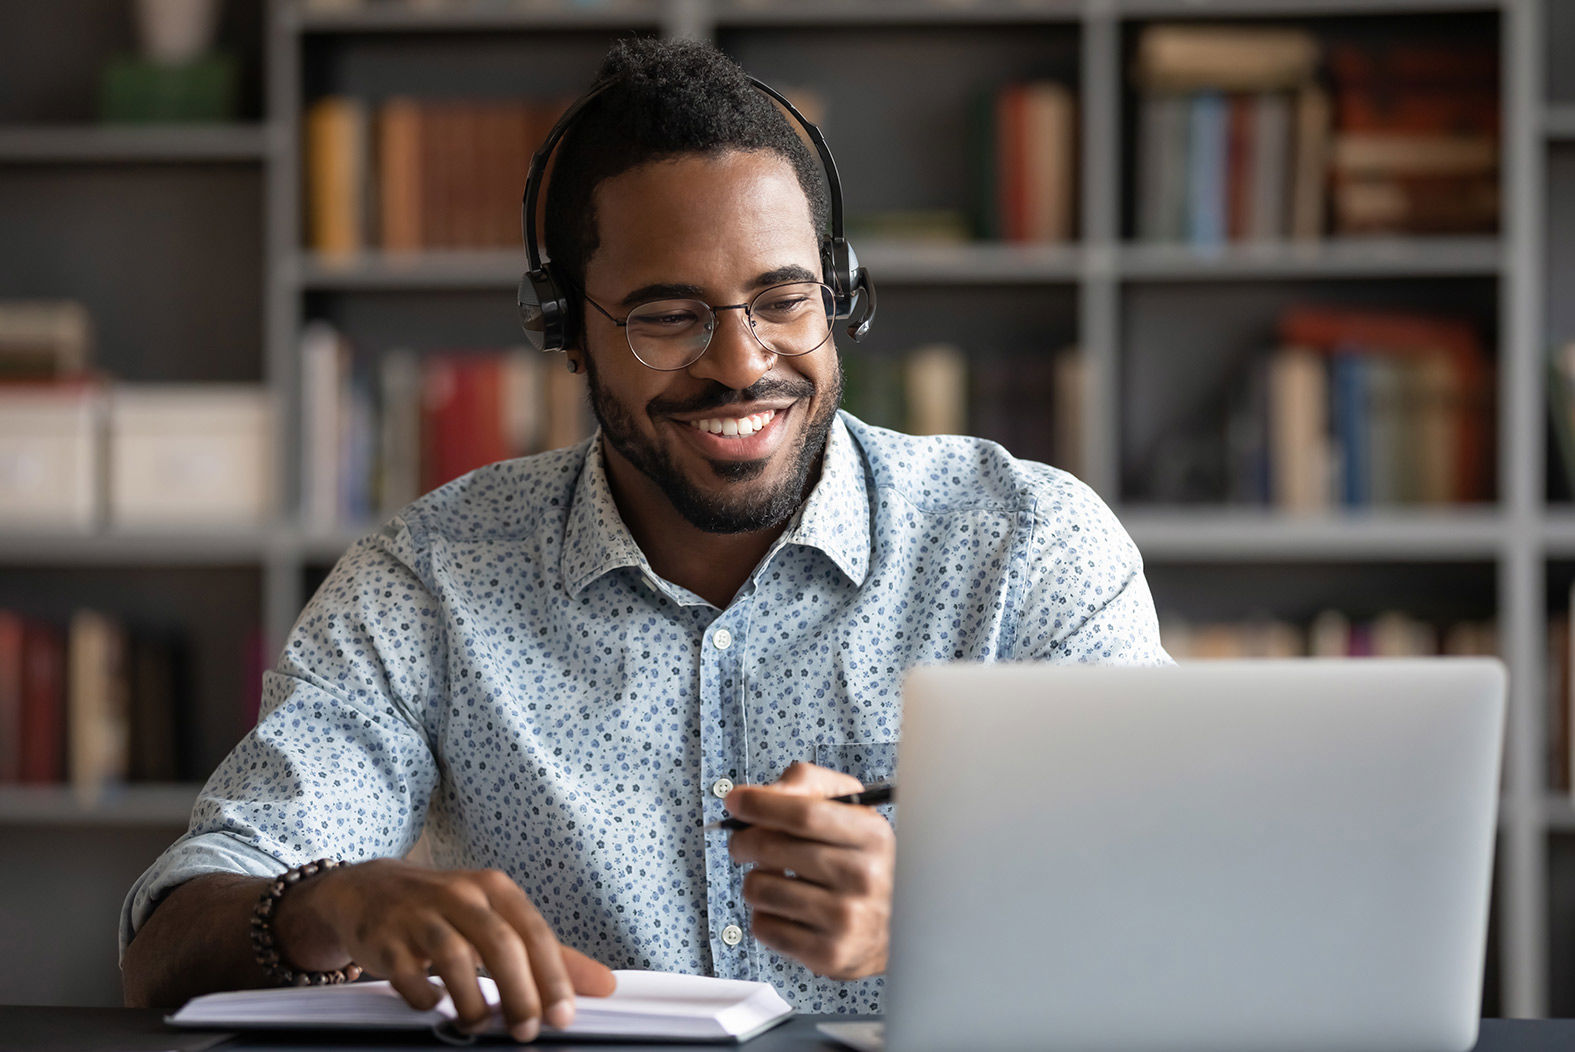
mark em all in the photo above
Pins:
pixel 712 565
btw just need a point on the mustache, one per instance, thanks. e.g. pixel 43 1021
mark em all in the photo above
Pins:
pixel 720 396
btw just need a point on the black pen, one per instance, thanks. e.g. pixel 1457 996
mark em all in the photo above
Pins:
pixel 870 796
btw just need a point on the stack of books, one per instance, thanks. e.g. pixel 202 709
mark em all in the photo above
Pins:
pixel 1332 633
pixel 379 432
pixel 1416 142
pixel 94 704
pixel 1233 134
pixel 412 175
pixel 1349 409
pixel 1028 155
pixel 1030 402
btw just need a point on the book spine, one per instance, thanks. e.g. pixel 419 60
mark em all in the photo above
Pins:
pixel 1206 171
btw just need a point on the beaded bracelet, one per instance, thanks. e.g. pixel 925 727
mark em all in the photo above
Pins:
pixel 262 932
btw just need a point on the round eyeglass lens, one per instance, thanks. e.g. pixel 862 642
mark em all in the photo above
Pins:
pixel 794 318
pixel 789 319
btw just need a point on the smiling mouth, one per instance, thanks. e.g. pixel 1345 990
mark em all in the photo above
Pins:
pixel 731 427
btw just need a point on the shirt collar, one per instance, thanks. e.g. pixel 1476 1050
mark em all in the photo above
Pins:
pixel 596 540
pixel 835 518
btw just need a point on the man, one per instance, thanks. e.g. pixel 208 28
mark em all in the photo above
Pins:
pixel 562 666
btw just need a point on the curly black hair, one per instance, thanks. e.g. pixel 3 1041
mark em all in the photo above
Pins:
pixel 664 98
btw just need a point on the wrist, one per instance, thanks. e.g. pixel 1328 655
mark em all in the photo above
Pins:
pixel 293 936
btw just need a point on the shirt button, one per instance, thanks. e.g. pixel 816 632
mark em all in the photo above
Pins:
pixel 732 935
pixel 721 787
pixel 722 638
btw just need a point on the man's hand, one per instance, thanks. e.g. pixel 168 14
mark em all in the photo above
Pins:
pixel 396 920
pixel 820 891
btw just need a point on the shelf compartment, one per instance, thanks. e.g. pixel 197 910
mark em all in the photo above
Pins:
pixel 125 805
pixel 1325 258
pixel 742 13
pixel 379 272
pixel 185 547
pixel 907 263
pixel 160 144
pixel 473 17
pixel 1230 535
pixel 1289 8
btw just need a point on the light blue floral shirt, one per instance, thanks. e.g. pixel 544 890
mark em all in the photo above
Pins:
pixel 500 666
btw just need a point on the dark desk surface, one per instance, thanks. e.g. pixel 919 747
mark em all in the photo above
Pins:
pixel 135 1030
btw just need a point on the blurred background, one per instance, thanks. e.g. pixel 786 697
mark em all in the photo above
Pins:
pixel 1289 282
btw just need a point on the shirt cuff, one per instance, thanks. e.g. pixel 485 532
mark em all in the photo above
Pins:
pixel 191 856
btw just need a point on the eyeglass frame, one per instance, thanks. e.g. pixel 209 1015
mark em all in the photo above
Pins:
pixel 829 292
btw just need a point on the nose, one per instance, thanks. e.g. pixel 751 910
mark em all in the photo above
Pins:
pixel 734 358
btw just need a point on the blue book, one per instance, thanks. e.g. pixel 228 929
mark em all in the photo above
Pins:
pixel 1206 170
pixel 1349 419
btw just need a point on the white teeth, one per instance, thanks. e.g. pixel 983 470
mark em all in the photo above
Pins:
pixel 735 426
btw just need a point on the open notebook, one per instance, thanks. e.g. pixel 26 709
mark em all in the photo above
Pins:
pixel 654 1006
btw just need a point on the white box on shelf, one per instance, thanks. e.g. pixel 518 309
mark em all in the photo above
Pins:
pixel 191 454
pixel 51 456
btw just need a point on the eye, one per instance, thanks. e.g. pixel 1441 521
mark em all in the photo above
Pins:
pixel 665 320
pixel 781 306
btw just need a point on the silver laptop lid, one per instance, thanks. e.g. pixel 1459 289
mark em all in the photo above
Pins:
pixel 1222 856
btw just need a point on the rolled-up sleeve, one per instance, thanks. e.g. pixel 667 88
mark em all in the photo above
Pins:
pixel 340 763
pixel 1084 597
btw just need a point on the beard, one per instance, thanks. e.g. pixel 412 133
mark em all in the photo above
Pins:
pixel 721 511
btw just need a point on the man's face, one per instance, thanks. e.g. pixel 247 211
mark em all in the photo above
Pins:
pixel 718 229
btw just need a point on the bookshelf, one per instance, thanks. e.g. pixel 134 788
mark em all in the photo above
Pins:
pixel 1137 310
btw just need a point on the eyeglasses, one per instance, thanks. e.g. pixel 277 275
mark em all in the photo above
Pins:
pixel 668 335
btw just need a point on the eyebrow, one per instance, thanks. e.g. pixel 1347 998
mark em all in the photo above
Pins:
pixel 679 290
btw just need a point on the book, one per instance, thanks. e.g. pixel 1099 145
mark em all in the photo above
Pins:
pixel 44 339
pixel 1225 57
pixel 935 381
pixel 1309 166
pixel 1162 175
pixel 1207 169
pixel 336 175
pixel 43 705
pixel 645 1006
pixel 12 648
pixel 97 704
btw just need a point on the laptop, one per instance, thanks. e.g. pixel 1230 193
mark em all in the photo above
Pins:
pixel 1222 856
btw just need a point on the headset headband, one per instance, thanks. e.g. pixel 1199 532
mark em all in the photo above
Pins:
pixel 538 163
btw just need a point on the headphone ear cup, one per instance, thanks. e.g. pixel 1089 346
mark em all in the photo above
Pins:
pixel 839 264
pixel 543 311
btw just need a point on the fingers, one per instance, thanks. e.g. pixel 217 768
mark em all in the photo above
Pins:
pixel 810 817
pixel 408 976
pixel 809 780
pixel 537 984
pixel 833 934
pixel 589 976
pixel 454 961
pixel 511 956
pixel 811 905
pixel 403 921
pixel 858 869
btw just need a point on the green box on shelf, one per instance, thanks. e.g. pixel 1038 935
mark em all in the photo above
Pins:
pixel 134 90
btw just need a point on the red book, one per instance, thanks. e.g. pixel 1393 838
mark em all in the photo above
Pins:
pixel 12 631
pixel 1012 163
pixel 44 705
pixel 1238 167
pixel 462 419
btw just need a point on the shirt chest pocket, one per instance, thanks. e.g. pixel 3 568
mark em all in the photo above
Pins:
pixel 869 762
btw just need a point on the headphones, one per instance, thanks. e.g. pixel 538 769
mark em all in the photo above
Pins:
pixel 544 309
